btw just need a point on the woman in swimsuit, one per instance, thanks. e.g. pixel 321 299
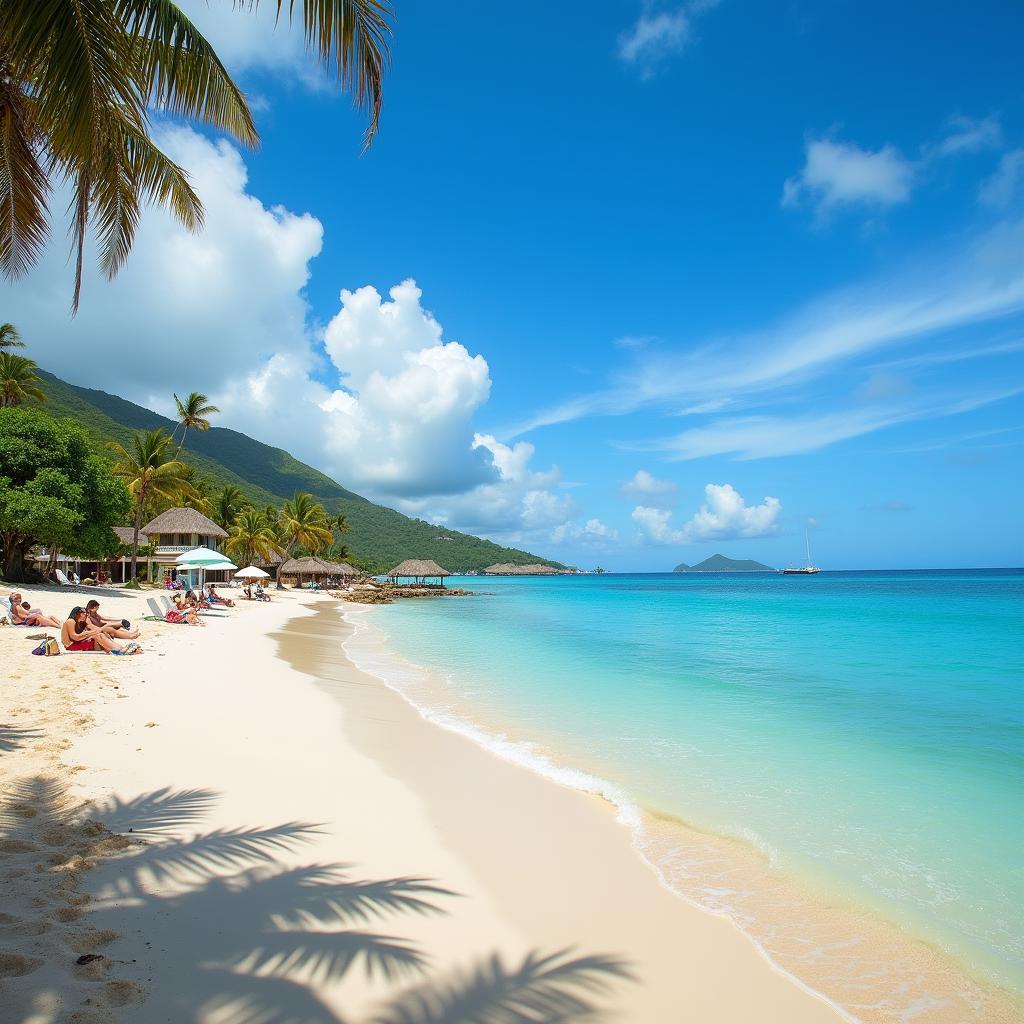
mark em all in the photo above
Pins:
pixel 29 617
pixel 77 635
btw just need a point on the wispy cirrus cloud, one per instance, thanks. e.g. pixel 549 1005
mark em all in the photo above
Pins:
pixel 1006 183
pixel 762 437
pixel 983 284
pixel 658 35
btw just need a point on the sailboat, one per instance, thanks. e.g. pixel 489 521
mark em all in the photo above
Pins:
pixel 807 569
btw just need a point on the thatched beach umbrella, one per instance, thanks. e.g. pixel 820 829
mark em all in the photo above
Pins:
pixel 419 569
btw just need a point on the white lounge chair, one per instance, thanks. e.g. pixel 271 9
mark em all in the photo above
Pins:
pixel 63 580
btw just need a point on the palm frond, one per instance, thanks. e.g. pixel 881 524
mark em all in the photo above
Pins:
pixel 24 183
pixel 182 73
pixel 350 37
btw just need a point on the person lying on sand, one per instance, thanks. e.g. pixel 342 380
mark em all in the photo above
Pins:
pixel 23 614
pixel 118 628
pixel 77 635
pixel 214 598
pixel 183 612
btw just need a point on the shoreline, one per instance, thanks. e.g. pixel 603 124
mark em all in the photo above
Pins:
pixel 284 838
pixel 757 894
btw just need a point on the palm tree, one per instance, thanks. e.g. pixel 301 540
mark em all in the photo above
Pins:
pixel 192 413
pixel 303 520
pixel 18 380
pixel 228 504
pixel 150 469
pixel 252 537
pixel 78 83
pixel 9 337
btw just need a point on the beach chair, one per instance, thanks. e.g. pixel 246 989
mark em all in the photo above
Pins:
pixel 63 580
pixel 155 614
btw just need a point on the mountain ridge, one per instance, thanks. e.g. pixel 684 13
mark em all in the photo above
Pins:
pixel 720 563
pixel 381 537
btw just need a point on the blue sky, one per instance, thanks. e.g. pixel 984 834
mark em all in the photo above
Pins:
pixel 768 257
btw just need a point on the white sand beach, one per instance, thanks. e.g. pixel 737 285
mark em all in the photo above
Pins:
pixel 285 839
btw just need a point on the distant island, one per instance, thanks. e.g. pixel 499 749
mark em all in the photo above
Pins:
pixel 719 563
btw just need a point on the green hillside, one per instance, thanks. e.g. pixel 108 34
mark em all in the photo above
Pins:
pixel 380 538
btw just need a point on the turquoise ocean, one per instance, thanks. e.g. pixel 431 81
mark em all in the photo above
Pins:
pixel 860 731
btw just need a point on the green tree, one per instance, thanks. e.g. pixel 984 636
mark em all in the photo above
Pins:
pixel 78 83
pixel 302 521
pixel 9 337
pixel 252 537
pixel 148 466
pixel 54 490
pixel 19 380
pixel 227 504
pixel 193 414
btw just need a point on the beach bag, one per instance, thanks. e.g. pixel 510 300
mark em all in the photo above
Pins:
pixel 47 648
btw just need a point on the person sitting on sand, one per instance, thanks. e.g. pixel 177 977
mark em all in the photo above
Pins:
pixel 77 635
pixel 118 628
pixel 23 614
pixel 183 612
pixel 214 598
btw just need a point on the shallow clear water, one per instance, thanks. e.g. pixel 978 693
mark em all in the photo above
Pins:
pixel 866 730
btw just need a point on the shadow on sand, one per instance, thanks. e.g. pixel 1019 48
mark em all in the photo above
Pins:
pixel 253 940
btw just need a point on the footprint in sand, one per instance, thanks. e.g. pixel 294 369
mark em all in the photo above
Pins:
pixel 121 993
pixel 14 965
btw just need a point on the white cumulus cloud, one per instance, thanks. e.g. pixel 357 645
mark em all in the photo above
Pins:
pixel 840 173
pixel 646 487
pixel 723 516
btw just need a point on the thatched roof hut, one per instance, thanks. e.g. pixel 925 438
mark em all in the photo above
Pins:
pixel 126 535
pixel 343 569
pixel 509 569
pixel 310 565
pixel 184 520
pixel 419 569
pixel 307 566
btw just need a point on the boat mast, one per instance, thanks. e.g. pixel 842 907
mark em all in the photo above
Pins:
pixel 807 541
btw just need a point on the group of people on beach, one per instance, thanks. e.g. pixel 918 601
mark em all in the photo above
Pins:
pixel 188 604
pixel 85 629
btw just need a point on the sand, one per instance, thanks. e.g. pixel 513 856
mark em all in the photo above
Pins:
pixel 283 838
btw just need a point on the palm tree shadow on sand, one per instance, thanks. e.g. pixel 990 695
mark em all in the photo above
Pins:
pixel 282 931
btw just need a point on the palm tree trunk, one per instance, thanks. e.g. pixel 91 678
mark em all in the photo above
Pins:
pixel 135 537
pixel 280 565
pixel 182 444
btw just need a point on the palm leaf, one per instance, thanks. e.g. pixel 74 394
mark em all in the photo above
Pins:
pixel 24 184
pixel 182 73
pixel 350 36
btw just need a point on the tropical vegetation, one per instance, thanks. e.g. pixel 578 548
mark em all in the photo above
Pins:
pixel 55 489
pixel 303 520
pixel 149 468
pixel 193 414
pixel 18 380
pixel 9 337
pixel 79 82
pixel 380 537
pixel 252 536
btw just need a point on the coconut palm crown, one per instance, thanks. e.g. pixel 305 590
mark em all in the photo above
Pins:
pixel 79 80
pixel 9 337
pixel 303 521
pixel 150 469
pixel 192 414
pixel 19 380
